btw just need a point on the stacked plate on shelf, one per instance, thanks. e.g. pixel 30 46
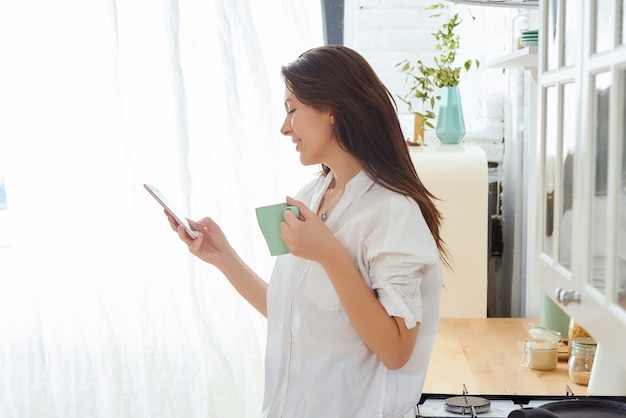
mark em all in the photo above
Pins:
pixel 529 38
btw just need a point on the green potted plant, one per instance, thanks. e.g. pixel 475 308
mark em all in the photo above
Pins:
pixel 430 83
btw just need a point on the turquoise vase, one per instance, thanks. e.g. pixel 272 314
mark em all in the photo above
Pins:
pixel 450 123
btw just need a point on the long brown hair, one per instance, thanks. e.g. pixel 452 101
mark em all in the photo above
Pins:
pixel 339 79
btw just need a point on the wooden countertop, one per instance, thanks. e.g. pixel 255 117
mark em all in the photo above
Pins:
pixel 485 355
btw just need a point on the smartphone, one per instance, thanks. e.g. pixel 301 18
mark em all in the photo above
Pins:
pixel 171 210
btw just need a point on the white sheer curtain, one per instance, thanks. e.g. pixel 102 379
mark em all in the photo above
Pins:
pixel 103 312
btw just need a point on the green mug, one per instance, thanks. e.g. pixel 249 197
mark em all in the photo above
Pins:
pixel 269 218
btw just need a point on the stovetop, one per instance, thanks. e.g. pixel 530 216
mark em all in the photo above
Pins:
pixel 433 405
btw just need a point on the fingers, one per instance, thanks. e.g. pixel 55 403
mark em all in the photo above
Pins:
pixel 289 216
pixel 195 245
pixel 305 212
pixel 172 221
pixel 179 229
pixel 184 236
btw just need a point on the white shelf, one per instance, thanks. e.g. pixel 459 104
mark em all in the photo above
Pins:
pixel 522 58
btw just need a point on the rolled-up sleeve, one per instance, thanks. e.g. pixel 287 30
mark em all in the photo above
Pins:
pixel 396 305
pixel 397 250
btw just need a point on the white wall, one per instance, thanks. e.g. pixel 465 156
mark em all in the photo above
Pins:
pixel 389 31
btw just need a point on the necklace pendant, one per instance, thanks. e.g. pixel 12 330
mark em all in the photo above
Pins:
pixel 324 216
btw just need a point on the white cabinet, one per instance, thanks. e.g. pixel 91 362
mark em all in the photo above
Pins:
pixel 457 175
pixel 577 216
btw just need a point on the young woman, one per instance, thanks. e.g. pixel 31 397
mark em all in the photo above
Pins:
pixel 354 308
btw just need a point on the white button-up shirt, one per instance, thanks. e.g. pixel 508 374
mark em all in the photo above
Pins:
pixel 316 363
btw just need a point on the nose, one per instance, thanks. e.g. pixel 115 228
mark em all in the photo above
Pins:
pixel 286 128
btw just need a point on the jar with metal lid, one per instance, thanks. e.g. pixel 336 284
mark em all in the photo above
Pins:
pixel 581 359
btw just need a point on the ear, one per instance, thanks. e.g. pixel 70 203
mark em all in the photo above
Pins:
pixel 332 119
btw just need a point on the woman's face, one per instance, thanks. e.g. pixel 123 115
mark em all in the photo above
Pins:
pixel 310 129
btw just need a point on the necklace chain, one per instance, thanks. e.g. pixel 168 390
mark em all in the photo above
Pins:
pixel 326 199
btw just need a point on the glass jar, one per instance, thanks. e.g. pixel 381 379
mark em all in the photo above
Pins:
pixel 581 359
pixel 540 355
pixel 541 352
pixel 526 19
pixel 575 331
